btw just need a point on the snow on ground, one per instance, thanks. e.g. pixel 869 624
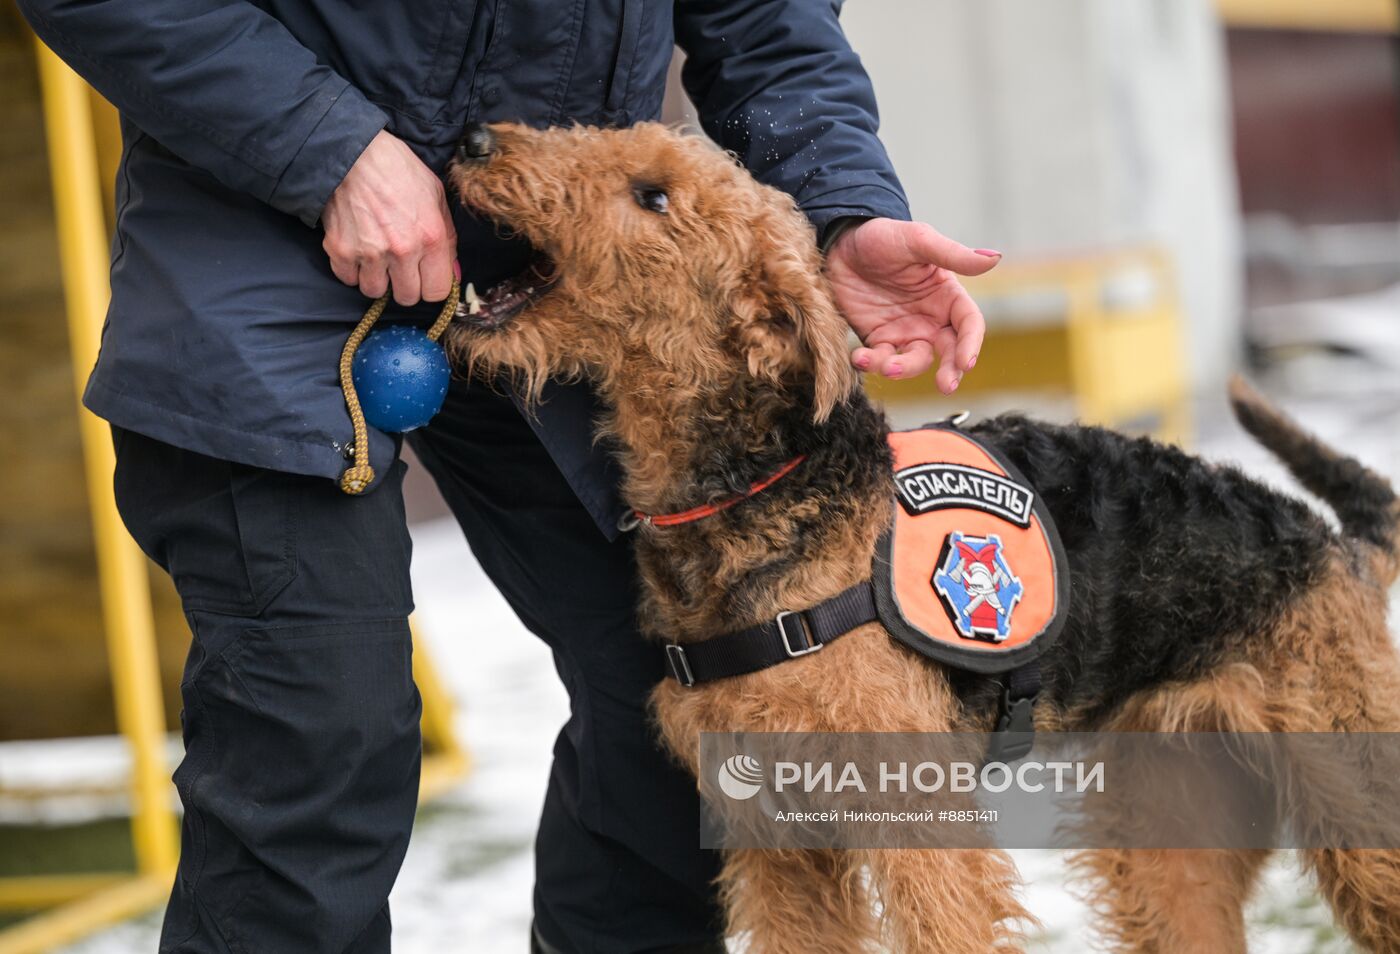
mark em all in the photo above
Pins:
pixel 466 882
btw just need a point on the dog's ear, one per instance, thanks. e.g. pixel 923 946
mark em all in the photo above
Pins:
pixel 788 327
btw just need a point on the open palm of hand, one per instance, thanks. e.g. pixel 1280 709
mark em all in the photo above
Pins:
pixel 897 284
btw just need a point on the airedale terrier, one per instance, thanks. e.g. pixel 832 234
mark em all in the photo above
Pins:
pixel 694 300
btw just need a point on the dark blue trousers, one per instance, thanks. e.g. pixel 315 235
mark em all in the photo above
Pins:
pixel 301 718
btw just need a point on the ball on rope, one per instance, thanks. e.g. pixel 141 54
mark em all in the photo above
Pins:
pixel 401 376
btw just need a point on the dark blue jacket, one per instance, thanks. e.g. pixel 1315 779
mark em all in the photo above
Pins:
pixel 240 117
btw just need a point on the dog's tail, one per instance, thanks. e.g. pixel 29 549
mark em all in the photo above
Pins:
pixel 1363 500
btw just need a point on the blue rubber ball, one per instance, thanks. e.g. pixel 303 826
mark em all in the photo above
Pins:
pixel 401 376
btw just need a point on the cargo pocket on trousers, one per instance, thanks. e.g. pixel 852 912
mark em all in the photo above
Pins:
pixel 309 736
pixel 328 719
pixel 245 553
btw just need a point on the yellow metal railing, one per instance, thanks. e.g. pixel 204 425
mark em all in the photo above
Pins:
pixel 1356 16
pixel 77 904
pixel 1118 356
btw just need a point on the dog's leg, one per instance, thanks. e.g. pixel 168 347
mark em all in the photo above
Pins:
pixel 1176 900
pixel 947 901
pixel 1328 667
pixel 1363 888
pixel 1183 901
pixel 797 902
pixel 1165 901
pixel 1349 682
pixel 1157 901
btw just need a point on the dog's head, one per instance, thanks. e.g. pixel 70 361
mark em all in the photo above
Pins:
pixel 661 266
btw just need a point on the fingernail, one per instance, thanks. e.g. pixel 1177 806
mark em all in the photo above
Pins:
pixel 894 369
pixel 972 363
pixel 989 253
pixel 457 269
pixel 862 362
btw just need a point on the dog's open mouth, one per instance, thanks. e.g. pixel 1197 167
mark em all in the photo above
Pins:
pixel 502 302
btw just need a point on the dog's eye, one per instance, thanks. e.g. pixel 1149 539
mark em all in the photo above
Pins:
pixel 652 199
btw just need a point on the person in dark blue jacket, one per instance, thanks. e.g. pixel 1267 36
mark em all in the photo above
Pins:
pixel 282 163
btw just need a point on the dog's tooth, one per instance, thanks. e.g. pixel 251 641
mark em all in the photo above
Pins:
pixel 473 300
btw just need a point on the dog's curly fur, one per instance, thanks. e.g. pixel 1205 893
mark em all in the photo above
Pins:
pixel 714 341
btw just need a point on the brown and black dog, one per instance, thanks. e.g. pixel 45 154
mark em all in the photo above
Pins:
pixel 694 300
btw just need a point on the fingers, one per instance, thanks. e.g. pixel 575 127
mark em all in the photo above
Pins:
pixel 955 358
pixel 912 360
pixel 959 342
pixel 926 244
pixel 956 336
pixel 970 327
pixel 872 359
pixel 404 281
pixel 426 281
pixel 348 271
pixel 369 274
pixel 949 376
pixel 345 264
pixel 435 268
pixel 387 226
pixel 374 278
pixel 411 279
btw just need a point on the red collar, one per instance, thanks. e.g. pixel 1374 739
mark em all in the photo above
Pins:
pixel 635 517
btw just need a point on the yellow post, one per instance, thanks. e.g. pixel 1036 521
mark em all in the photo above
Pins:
pixel 444 759
pixel 126 606
pixel 77 919
pixel 81 903
pixel 1366 16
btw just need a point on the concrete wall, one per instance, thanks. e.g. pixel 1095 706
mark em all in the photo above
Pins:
pixel 1045 126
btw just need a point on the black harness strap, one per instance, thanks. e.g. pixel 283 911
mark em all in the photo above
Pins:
pixel 788 635
pixel 795 633
pixel 1015 732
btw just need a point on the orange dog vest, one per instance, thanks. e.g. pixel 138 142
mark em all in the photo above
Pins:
pixel 972 572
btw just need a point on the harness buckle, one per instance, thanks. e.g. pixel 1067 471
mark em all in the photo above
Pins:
pixel 680 666
pixel 1015 732
pixel 956 420
pixel 808 644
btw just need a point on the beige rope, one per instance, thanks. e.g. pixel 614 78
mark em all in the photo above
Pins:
pixel 360 475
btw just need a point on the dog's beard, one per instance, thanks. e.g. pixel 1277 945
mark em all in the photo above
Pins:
pixel 518 356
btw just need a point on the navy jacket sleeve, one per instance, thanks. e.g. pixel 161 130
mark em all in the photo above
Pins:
pixel 776 82
pixel 222 85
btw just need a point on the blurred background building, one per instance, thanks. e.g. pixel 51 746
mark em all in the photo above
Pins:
pixel 1070 128
pixel 1182 188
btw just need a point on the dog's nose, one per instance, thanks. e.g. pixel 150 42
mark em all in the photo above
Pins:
pixel 477 143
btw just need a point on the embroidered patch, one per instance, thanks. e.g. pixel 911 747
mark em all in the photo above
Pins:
pixel 978 588
pixel 971 572
pixel 936 486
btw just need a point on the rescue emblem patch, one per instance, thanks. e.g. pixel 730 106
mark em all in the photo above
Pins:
pixel 978 588
pixel 971 572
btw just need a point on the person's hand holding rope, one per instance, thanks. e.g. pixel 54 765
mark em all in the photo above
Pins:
pixel 387 226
